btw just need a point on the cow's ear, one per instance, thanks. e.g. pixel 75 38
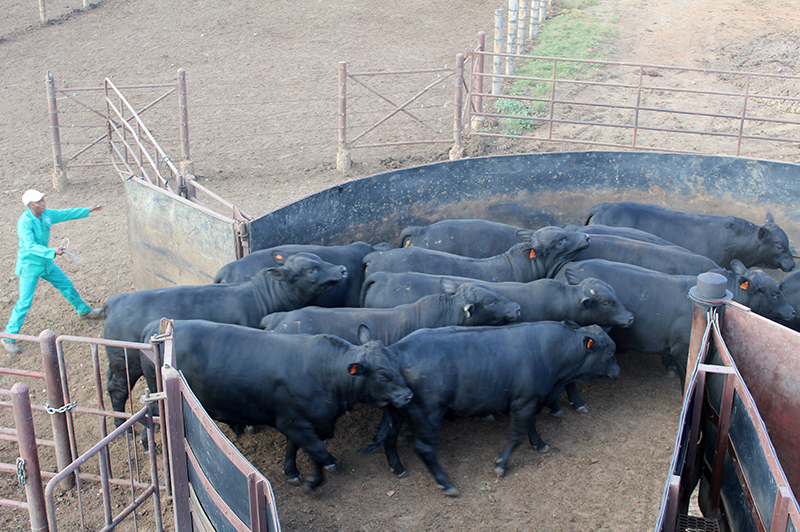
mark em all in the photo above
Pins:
pixel 763 233
pixel 589 342
pixel 525 235
pixel 449 286
pixel 356 368
pixel 737 267
pixel 364 334
pixel 770 219
pixel 572 277
pixel 468 310
pixel 278 257
pixel 586 303
pixel 278 273
pixel 571 324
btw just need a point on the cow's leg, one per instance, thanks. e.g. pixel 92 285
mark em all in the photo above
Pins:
pixel 425 427
pixel 118 374
pixel 290 464
pixel 302 435
pixel 521 422
pixel 535 439
pixel 393 419
pixel 575 398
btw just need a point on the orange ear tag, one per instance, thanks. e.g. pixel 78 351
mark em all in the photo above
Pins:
pixel 279 257
pixel 745 285
pixel 589 343
pixel 533 254
pixel 353 369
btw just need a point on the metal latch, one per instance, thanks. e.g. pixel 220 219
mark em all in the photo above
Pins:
pixel 148 397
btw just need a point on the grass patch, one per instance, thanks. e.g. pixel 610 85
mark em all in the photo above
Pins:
pixel 574 34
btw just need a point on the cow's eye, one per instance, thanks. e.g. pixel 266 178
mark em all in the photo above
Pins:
pixel 383 378
pixel 608 304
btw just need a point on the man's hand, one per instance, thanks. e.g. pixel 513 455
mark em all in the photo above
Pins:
pixel 97 207
pixel 59 250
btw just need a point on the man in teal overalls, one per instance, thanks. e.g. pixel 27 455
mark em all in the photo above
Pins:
pixel 35 259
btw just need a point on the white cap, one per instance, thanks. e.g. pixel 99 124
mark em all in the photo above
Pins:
pixel 31 196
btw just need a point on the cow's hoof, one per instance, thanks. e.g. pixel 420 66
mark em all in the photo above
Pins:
pixel 332 468
pixel 295 481
pixel 399 472
pixel 488 417
pixel 582 409
pixel 452 492
pixel 543 447
pixel 557 413
pixel 499 471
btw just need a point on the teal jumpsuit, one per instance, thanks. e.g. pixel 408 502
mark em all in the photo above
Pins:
pixel 35 259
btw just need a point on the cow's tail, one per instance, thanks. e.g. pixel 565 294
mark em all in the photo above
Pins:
pixel 592 212
pixel 380 435
pixel 220 277
pixel 362 297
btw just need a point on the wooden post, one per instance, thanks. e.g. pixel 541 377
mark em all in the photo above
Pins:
pixel 186 165
pixel 59 168
pixel 457 151
pixel 55 398
pixel 478 121
pixel 533 26
pixel 29 456
pixel 343 161
pixel 42 12
pixel 522 25
pixel 497 65
pixel 511 35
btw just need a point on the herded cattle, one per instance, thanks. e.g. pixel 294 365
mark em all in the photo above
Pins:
pixel 585 301
pixel 539 256
pixel 662 310
pixel 670 259
pixel 299 384
pixel 627 232
pixel 474 238
pixel 790 288
pixel 469 304
pixel 293 283
pixel 344 294
pixel 461 370
pixel 720 238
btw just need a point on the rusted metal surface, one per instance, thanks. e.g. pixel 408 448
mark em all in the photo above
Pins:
pixel 766 356
pixel 28 468
pixel 172 241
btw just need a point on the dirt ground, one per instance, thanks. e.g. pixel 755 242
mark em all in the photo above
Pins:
pixel 606 470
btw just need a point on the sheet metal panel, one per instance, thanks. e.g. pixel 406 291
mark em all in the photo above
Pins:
pixel 766 354
pixel 173 241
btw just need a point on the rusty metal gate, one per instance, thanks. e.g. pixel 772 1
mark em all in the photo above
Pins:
pixel 739 426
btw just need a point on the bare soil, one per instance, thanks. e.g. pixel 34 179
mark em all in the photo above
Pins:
pixel 606 470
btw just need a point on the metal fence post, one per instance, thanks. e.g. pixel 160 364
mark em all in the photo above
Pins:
pixel 55 399
pixel 186 165
pixel 343 161
pixel 177 462
pixel 710 292
pixel 28 463
pixel 59 168
pixel 457 151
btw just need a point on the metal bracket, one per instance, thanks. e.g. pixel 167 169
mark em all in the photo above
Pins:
pixel 148 397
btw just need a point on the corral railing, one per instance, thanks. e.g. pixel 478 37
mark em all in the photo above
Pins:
pixel 723 442
pixel 738 112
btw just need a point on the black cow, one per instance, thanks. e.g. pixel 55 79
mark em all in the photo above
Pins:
pixel 344 294
pixel 299 384
pixel 297 280
pixel 462 370
pixel 539 256
pixel 661 307
pixel 469 304
pixel 671 259
pixel 720 238
pixel 627 232
pixel 474 238
pixel 790 288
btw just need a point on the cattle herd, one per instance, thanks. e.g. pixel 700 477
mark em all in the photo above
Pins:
pixel 464 318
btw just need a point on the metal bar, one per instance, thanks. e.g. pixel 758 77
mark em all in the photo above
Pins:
pixel 184 116
pixel 744 113
pixel 477 70
pixel 101 87
pixel 406 143
pixel 457 151
pixel 394 72
pixel 177 464
pixel 59 168
pixel 55 396
pixel 717 467
pixel 23 420
pixel 748 493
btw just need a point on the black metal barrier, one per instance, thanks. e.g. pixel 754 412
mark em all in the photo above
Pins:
pixel 533 190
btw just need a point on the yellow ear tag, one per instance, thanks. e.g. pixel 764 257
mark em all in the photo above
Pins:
pixel 589 343
pixel 745 285
pixel 533 254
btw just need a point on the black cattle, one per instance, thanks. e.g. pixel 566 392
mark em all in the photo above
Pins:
pixel 671 259
pixel 790 288
pixel 627 232
pixel 469 304
pixel 539 256
pixel 297 280
pixel 475 238
pixel 344 294
pixel 475 371
pixel 662 310
pixel 720 238
pixel 299 384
